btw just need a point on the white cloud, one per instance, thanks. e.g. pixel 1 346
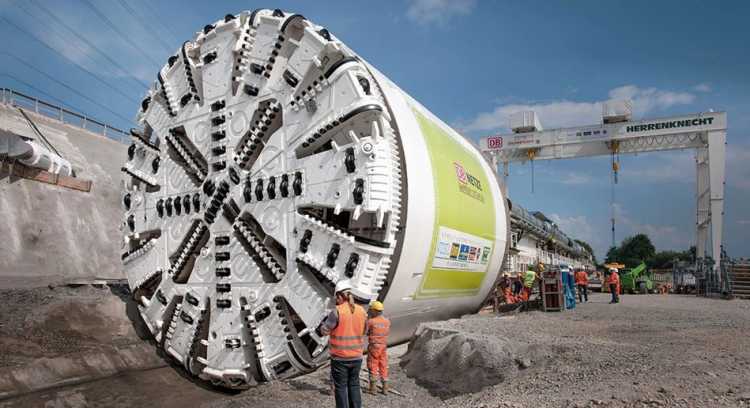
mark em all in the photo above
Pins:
pixel 704 87
pixel 598 234
pixel 576 179
pixel 662 236
pixel 130 61
pixel 650 99
pixel 577 227
pixel 438 11
pixel 566 113
pixel 661 167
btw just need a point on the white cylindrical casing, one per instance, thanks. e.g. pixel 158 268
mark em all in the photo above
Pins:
pixel 41 158
pixel 452 202
pixel 274 163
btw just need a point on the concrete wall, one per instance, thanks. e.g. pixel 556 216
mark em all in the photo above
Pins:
pixel 50 234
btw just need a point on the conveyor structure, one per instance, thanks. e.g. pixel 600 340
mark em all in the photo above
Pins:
pixel 273 162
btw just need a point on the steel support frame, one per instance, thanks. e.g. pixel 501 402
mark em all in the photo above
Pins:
pixel 709 142
pixel 710 179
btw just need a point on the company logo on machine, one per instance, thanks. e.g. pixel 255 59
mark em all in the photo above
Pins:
pixel 460 173
pixel 495 142
pixel 669 125
pixel 467 183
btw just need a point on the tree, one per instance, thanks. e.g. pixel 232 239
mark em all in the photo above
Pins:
pixel 638 248
pixel 665 259
pixel 613 254
pixel 632 251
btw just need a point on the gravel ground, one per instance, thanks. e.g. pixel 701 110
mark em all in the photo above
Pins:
pixel 649 350
pixel 56 321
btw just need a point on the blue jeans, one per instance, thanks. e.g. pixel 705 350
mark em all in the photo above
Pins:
pixel 613 290
pixel 583 293
pixel 345 376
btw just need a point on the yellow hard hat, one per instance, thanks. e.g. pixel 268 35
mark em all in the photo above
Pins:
pixel 376 306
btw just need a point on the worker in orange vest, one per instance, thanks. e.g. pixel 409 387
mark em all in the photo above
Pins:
pixel 518 285
pixel 346 326
pixel 505 286
pixel 582 282
pixel 613 280
pixel 378 328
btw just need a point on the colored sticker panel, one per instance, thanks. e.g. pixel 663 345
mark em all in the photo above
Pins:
pixel 464 235
pixel 468 257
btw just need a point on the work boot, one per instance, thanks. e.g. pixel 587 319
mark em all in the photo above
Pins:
pixel 373 386
pixel 384 390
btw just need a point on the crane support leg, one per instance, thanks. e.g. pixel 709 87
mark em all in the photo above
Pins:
pixel 717 146
pixel 703 204
pixel 710 166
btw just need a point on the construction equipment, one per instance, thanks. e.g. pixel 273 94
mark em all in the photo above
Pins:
pixel 272 162
pixel 619 134
pixel 637 280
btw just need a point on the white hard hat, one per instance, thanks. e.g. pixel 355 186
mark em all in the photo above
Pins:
pixel 343 286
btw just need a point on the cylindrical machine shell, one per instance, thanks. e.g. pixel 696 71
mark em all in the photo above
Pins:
pixel 275 163
pixel 431 191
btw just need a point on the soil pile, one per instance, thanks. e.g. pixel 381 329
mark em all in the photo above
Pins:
pixel 449 362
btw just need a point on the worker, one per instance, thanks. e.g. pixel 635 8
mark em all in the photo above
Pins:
pixel 613 280
pixel 346 325
pixel 497 294
pixel 528 284
pixel 518 284
pixel 378 328
pixel 505 289
pixel 582 282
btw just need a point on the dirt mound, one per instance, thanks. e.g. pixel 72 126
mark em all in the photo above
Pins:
pixel 449 361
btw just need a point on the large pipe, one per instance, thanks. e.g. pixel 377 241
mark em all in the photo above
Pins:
pixel 274 162
pixel 33 154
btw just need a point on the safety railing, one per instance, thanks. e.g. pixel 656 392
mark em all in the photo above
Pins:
pixel 50 110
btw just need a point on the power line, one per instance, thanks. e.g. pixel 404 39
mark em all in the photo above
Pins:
pixel 159 19
pixel 89 43
pixel 66 86
pixel 140 20
pixel 40 92
pixel 120 33
pixel 98 78
pixel 56 32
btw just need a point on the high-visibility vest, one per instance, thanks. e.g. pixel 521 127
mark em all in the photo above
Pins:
pixel 347 340
pixel 582 278
pixel 378 329
pixel 614 278
pixel 528 279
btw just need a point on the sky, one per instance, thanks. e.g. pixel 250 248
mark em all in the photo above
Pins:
pixel 471 63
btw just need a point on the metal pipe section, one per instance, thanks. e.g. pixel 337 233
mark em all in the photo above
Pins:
pixel 35 155
pixel 273 162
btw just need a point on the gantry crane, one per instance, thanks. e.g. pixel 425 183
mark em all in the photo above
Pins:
pixel 619 134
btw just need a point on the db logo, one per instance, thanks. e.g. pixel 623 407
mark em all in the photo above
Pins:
pixel 460 173
pixel 495 142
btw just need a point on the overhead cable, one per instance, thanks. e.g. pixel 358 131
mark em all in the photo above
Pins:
pixel 82 38
pixel 66 86
pixel 97 77
pixel 141 21
pixel 120 33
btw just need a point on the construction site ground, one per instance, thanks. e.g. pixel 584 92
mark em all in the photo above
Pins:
pixel 79 346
